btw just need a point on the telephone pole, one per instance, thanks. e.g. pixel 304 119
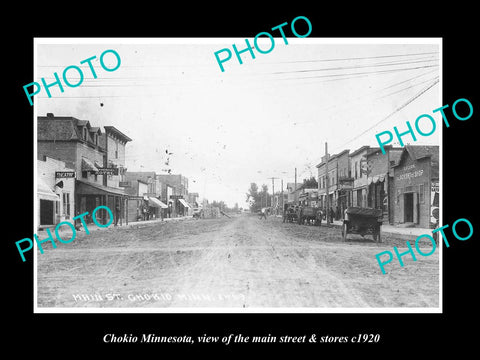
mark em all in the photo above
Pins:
pixel 273 191
pixel 295 191
pixel 326 179
pixel 283 200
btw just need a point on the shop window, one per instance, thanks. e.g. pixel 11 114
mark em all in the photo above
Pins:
pixel 66 205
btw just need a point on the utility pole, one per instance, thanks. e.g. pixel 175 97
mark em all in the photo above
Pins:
pixel 327 180
pixel 273 192
pixel 283 200
pixel 295 191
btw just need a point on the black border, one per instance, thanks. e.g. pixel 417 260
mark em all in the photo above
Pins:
pixel 406 333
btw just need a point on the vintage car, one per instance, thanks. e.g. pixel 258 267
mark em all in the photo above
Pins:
pixel 197 213
pixel 362 221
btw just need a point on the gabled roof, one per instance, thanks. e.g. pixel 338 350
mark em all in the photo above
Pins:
pixel 113 130
pixel 359 150
pixel 95 129
pixel 59 128
pixel 417 152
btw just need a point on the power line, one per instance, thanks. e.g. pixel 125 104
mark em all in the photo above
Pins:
pixel 355 67
pixel 416 96
pixel 413 98
pixel 359 58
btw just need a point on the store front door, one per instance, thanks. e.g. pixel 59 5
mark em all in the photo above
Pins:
pixel 411 207
pixel 408 209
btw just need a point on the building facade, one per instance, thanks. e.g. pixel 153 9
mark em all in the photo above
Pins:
pixel 415 183
pixel 78 143
pixel 175 188
pixel 380 180
pixel 55 192
pixel 145 195
pixel 359 173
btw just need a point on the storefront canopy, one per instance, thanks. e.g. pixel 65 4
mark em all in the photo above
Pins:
pixel 87 165
pixel 87 188
pixel 184 203
pixel 157 203
pixel 44 192
pixel 376 178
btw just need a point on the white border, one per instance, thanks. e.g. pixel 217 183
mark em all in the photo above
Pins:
pixel 282 310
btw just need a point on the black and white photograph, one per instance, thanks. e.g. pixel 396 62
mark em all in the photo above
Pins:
pixel 174 177
pixel 218 178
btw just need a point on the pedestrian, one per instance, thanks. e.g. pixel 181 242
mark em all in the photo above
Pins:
pixel 263 214
pixel 117 213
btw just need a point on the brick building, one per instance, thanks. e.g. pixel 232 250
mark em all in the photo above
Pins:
pixel 78 143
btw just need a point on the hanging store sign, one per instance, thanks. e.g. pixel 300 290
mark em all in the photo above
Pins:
pixel 64 174
pixel 176 196
pixel 124 184
pixel 107 171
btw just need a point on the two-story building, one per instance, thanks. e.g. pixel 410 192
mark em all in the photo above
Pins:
pixel 78 143
pixel 380 179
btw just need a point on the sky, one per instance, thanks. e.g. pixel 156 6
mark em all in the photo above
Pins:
pixel 254 121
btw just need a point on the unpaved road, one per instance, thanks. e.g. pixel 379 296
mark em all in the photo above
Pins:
pixel 242 262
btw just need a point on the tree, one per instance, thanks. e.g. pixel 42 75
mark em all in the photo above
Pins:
pixel 310 183
pixel 253 197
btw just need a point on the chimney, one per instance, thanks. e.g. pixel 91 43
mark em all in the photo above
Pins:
pixel 50 115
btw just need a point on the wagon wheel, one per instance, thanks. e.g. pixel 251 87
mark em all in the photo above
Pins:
pixel 344 231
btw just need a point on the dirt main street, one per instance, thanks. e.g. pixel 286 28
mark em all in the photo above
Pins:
pixel 242 262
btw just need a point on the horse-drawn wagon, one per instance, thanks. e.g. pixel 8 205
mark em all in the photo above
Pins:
pixel 308 215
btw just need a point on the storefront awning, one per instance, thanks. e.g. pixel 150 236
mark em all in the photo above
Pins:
pixel 157 203
pixel 44 192
pixel 184 203
pixel 376 178
pixel 87 165
pixel 87 188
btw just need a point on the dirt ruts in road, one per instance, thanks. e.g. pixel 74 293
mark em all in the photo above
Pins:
pixel 242 262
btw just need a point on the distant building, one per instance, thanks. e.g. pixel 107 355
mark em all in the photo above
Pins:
pixel 293 193
pixel 359 173
pixel 380 180
pixel 145 193
pixel 339 190
pixel 175 188
pixel 193 199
